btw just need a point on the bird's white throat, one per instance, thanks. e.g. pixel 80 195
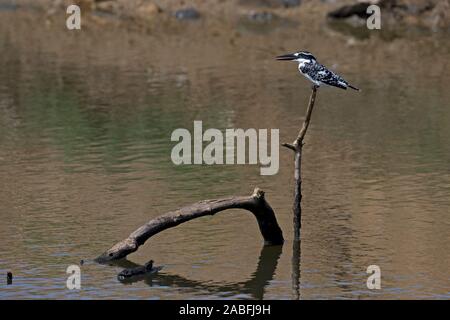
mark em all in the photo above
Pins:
pixel 302 62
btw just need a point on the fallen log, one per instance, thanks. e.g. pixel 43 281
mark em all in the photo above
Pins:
pixel 255 203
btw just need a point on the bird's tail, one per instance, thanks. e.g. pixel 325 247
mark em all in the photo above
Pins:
pixel 354 88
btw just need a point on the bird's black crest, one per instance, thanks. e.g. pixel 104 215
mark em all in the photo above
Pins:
pixel 306 55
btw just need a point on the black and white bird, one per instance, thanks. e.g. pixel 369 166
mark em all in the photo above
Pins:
pixel 315 72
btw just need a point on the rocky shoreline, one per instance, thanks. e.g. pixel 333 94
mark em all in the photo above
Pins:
pixel 429 14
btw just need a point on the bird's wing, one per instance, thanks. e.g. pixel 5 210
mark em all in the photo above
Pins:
pixel 330 78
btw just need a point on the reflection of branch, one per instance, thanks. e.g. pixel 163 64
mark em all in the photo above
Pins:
pixel 296 253
pixel 255 203
pixel 297 146
pixel 255 286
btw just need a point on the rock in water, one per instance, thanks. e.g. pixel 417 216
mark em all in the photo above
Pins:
pixel 187 14
pixel 141 270
pixel 107 6
pixel 148 10
pixel 262 16
pixel 270 3
pixel 433 14
pixel 291 3
pixel 359 9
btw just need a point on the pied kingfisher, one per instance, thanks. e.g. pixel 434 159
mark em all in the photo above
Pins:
pixel 315 72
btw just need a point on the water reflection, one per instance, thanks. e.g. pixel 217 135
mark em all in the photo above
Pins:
pixel 85 124
pixel 296 260
pixel 254 287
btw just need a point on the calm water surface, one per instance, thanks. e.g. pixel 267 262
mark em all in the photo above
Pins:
pixel 85 125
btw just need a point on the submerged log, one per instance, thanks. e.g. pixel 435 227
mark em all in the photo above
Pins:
pixel 255 203
pixel 138 271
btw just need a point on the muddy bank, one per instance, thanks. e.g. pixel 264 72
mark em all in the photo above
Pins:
pixel 429 14
pixel 432 14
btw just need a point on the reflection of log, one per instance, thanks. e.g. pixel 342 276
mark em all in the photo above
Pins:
pixel 297 146
pixel 255 203
pixel 255 286
pixel 264 273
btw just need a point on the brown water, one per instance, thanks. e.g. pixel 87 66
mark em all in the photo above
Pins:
pixel 85 125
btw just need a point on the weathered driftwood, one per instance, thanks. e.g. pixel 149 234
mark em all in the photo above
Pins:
pixel 297 146
pixel 255 203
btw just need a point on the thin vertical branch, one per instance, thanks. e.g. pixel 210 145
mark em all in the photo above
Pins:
pixel 296 260
pixel 297 146
pixel 312 100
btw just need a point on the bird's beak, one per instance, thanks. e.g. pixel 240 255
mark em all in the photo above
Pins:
pixel 287 57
